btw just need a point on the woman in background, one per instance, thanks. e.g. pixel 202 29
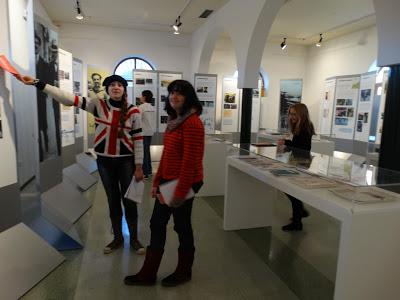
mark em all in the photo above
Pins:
pixel 302 129
pixel 148 126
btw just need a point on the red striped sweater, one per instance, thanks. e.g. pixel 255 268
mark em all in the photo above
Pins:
pixel 182 157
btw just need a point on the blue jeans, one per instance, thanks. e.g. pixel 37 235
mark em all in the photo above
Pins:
pixel 147 170
pixel 116 174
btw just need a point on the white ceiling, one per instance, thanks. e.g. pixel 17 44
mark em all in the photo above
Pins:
pixel 156 15
pixel 301 21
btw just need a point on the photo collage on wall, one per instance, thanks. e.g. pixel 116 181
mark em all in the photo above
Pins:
pixel 344 111
pixel 47 66
pixel 230 105
pixel 290 93
pixel 206 86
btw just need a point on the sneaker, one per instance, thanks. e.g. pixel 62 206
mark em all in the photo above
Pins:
pixel 294 226
pixel 114 245
pixel 138 247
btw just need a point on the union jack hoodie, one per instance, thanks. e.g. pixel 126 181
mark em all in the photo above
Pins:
pixel 106 114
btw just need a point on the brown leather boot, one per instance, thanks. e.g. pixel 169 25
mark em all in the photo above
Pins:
pixel 148 273
pixel 118 240
pixel 183 272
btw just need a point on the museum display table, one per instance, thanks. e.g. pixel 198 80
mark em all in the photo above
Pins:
pixel 368 258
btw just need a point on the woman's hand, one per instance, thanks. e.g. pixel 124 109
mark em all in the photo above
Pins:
pixel 176 202
pixel 25 79
pixel 153 192
pixel 138 173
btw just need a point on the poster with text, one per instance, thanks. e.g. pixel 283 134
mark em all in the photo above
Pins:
pixel 364 110
pixel 95 78
pixel 345 107
pixel 77 77
pixel 205 86
pixel 46 60
pixel 290 93
pixel 66 84
pixel 327 106
pixel 230 105
pixel 164 79
pixel 144 80
pixel 379 126
pixel 256 108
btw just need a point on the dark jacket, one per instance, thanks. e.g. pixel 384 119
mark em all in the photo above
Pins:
pixel 301 141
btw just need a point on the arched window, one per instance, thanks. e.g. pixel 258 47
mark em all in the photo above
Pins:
pixel 125 67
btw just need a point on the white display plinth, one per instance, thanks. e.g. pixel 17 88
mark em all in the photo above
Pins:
pixel 368 261
pixel 78 175
pixel 63 205
pixel 25 260
pixel 87 162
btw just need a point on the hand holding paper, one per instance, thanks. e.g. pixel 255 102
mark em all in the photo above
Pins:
pixel 135 191
pixel 167 191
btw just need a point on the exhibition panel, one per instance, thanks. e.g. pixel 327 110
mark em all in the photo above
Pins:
pixel 230 105
pixel 353 193
pixel 205 86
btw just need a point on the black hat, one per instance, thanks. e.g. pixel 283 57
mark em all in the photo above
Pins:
pixel 108 80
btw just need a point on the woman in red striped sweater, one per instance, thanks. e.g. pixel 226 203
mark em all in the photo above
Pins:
pixel 182 159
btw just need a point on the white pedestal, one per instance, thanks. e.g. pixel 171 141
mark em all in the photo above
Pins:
pixel 368 261
pixel 79 176
pixel 25 260
pixel 87 162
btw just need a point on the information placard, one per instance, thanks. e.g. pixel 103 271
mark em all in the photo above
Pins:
pixel 77 77
pixel 256 107
pixel 327 106
pixel 205 86
pixel 230 105
pixel 345 105
pixel 164 79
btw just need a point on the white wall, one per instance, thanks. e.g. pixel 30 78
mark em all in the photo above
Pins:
pixel 346 55
pixel 106 46
pixel 8 171
pixel 278 64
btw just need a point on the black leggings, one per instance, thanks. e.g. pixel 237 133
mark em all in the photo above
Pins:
pixel 297 207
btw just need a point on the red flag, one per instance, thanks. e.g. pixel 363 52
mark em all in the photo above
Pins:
pixel 6 66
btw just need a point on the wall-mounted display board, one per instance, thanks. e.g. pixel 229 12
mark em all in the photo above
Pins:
pixel 205 86
pixel 327 106
pixel 230 105
pixel 77 77
pixel 144 80
pixel 290 93
pixel 164 79
pixel 256 108
pixel 47 66
pixel 345 106
pixel 379 126
pixel 364 110
pixel 66 84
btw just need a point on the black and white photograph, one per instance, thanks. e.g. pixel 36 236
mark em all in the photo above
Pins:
pixel 341 121
pixel 229 98
pixel 290 93
pixel 350 112
pixel 233 106
pixel 164 98
pixel 365 95
pixel 164 119
pixel 46 53
pixel 360 117
pixel 140 81
pixel 340 101
pixel 366 117
pixel 149 81
pixel 349 102
pixel 359 126
pixel 227 106
pixel 341 112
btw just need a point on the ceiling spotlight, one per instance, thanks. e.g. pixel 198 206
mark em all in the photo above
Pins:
pixel 320 41
pixel 79 14
pixel 177 24
pixel 283 44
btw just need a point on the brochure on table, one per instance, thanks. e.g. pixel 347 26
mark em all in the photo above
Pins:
pixel 345 105
pixel 67 112
pixel 364 110
pixel 327 106
pixel 205 86
pixel 256 107
pixel 382 108
pixel 164 79
pixel 77 77
pixel 230 105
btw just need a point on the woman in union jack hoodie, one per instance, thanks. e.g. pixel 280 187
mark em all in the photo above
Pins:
pixel 119 148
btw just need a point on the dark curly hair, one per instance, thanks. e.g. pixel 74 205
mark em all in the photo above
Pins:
pixel 186 89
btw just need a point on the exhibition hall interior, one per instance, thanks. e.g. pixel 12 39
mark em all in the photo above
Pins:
pixel 299 178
